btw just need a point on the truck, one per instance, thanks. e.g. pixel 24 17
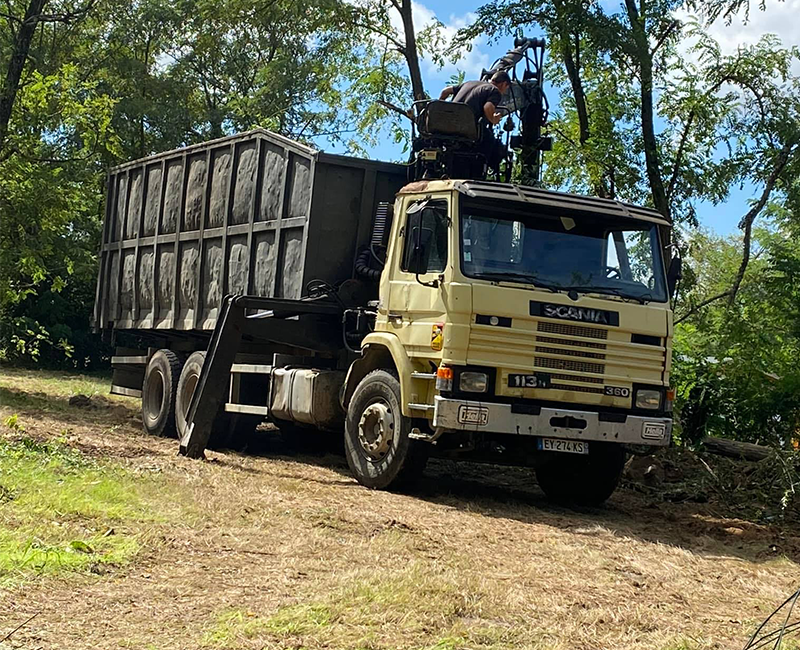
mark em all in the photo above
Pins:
pixel 421 310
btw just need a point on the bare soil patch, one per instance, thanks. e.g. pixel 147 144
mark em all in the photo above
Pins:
pixel 286 550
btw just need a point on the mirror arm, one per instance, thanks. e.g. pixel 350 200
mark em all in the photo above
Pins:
pixel 432 283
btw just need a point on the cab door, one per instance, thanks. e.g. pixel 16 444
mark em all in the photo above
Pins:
pixel 419 261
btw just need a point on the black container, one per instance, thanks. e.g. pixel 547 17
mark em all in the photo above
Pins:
pixel 254 213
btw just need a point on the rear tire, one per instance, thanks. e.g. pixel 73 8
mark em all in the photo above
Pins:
pixel 159 392
pixel 583 480
pixel 377 445
pixel 229 431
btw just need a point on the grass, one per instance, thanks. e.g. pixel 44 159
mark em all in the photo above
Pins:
pixel 61 511
pixel 286 551
pixel 50 391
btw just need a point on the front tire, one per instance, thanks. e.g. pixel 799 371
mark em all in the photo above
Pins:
pixel 378 448
pixel 159 392
pixel 583 480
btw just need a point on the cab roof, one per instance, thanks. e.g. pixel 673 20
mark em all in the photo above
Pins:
pixel 546 199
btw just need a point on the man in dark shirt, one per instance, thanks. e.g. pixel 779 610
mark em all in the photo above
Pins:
pixel 483 97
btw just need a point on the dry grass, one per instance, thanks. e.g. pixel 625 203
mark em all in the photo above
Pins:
pixel 283 551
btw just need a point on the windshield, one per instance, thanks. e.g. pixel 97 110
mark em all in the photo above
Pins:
pixel 584 253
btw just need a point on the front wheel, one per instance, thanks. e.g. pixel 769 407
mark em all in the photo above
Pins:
pixel 376 437
pixel 583 480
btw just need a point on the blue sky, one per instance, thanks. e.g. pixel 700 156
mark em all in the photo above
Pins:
pixel 779 18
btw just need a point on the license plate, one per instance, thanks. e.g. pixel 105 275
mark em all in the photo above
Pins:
pixel 537 380
pixel 654 430
pixel 473 415
pixel 565 446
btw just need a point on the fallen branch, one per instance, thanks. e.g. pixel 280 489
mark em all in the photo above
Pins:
pixel 19 627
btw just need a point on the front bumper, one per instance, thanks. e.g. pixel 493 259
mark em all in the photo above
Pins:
pixel 465 415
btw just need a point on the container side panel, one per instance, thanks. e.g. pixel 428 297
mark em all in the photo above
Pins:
pixel 273 182
pixel 113 291
pixel 238 264
pixel 195 189
pixel 119 207
pixel 245 187
pixel 127 287
pixel 300 191
pixel 134 205
pixel 144 288
pixel 265 254
pixel 218 196
pixel 211 286
pixel 189 265
pixel 172 196
pixel 291 263
pixel 166 281
pixel 152 200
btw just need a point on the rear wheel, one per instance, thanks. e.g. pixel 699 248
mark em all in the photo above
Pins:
pixel 377 445
pixel 583 480
pixel 228 430
pixel 159 393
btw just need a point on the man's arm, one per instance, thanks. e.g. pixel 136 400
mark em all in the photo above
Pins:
pixel 447 92
pixel 490 114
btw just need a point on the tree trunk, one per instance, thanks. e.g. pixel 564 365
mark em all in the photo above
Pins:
pixel 16 64
pixel 410 50
pixel 645 61
pixel 735 449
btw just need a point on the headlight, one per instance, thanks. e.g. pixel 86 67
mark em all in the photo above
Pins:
pixel 648 399
pixel 473 382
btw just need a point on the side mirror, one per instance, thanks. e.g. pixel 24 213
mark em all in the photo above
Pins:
pixel 674 273
pixel 418 264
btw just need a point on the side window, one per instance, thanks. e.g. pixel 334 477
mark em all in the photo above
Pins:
pixel 630 257
pixel 426 227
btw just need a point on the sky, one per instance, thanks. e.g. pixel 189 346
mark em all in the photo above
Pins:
pixel 780 17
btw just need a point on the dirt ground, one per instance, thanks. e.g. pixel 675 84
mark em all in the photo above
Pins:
pixel 284 549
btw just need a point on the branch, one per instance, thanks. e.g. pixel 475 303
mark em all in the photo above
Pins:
pixel 679 155
pixel 705 302
pixel 401 47
pixel 670 28
pixel 65 17
pixel 19 627
pixel 395 108
pixel 747 221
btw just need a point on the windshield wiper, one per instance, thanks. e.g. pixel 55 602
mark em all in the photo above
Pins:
pixel 612 290
pixel 525 277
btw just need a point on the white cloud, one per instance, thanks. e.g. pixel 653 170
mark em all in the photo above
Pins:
pixel 780 17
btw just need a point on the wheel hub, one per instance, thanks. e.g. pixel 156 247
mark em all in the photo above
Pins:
pixel 376 430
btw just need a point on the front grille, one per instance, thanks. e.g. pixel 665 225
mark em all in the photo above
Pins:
pixel 578 358
pixel 577 389
pixel 572 330
pixel 569 353
pixel 588 380
pixel 569 364
pixel 577 344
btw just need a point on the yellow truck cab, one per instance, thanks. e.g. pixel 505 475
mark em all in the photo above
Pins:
pixel 523 326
